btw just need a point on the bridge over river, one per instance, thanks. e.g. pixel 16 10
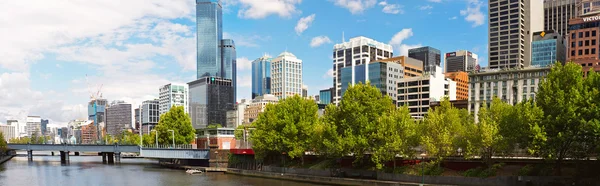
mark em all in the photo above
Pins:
pixel 111 153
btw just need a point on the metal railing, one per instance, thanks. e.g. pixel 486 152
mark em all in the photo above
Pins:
pixel 170 146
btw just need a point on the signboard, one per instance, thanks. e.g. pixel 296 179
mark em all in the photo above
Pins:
pixel 592 18
pixel 451 54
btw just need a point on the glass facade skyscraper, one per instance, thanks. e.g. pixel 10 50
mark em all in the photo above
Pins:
pixel 228 55
pixel 209 25
pixel 210 99
pixel 382 75
pixel 326 96
pixel 261 76
pixel 430 56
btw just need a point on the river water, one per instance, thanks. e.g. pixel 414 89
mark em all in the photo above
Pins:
pixel 89 171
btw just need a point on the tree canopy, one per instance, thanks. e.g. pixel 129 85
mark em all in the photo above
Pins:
pixel 444 130
pixel 286 127
pixel 177 120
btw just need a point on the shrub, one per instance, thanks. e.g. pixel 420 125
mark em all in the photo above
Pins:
pixel 525 170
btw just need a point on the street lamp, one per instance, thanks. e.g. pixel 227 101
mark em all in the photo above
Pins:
pixel 155 136
pixel 423 168
pixel 283 159
pixel 173 135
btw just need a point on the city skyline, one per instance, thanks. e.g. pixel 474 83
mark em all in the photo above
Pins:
pixel 134 54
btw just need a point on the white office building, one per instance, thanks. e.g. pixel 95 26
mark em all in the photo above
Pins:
pixel 34 126
pixel 286 74
pixel 8 131
pixel 173 94
pixel 512 86
pixel 359 50
pixel 419 92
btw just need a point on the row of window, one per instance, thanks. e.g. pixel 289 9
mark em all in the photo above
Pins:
pixel 584 52
pixel 586 34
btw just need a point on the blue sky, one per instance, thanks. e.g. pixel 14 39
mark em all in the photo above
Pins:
pixel 133 47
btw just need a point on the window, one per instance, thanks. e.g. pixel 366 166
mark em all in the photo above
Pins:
pixel 572 52
pixel 593 42
pixel 587 43
pixel 580 43
pixel 587 51
pixel 572 44
pixel 587 34
pixel 580 34
pixel 593 33
pixel 580 52
pixel 593 51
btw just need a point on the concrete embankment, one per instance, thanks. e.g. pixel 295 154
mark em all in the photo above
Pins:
pixel 315 179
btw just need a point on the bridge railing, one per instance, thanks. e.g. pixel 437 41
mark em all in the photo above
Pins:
pixel 177 146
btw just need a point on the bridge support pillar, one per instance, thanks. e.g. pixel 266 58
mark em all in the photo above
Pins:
pixel 103 157
pixel 30 155
pixel 76 153
pixel 111 157
pixel 64 157
pixel 118 157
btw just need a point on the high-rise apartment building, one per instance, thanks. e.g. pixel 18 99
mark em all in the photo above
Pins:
pixel 461 60
pixel 557 14
pixel 261 76
pixel 118 118
pixel 412 67
pixel 383 75
pixel 89 135
pixel 357 51
pixel 462 84
pixel 210 99
pixel 547 47
pixel 96 110
pixel 150 115
pixel 209 25
pixel 258 106
pixel 511 26
pixel 418 92
pixel 286 73
pixel 173 94
pixel 229 57
pixel 430 56
pixel 584 38
pixel 512 86
pixel 34 126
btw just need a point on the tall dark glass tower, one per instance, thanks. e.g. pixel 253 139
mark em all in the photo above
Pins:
pixel 261 76
pixel 209 25
pixel 229 64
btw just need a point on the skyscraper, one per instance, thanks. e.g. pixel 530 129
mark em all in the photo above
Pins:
pixel 383 75
pixel 228 55
pixel 34 126
pixel 118 118
pixel 173 94
pixel 150 115
pixel 286 71
pixel 357 51
pixel 461 60
pixel 430 56
pixel 557 14
pixel 44 126
pixel 261 76
pixel 584 38
pixel 210 99
pixel 511 25
pixel 209 25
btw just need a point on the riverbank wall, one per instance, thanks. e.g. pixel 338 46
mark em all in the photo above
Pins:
pixel 360 177
pixel 9 155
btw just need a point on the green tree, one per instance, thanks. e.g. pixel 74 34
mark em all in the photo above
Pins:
pixel 3 145
pixel 351 128
pixel 129 138
pixel 521 126
pixel 177 120
pixel 569 102
pixel 486 139
pixel 396 135
pixel 444 129
pixel 148 139
pixel 285 127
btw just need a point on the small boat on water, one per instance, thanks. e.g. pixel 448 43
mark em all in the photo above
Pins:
pixel 193 171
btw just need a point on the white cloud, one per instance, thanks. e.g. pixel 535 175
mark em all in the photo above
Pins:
pixel 426 7
pixel 391 8
pixel 453 18
pixel 435 1
pixel 319 40
pixel 328 74
pixel 397 41
pixel 304 23
pixel 245 40
pixel 243 63
pixel 258 9
pixel 355 6
pixel 473 13
pixel 117 39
